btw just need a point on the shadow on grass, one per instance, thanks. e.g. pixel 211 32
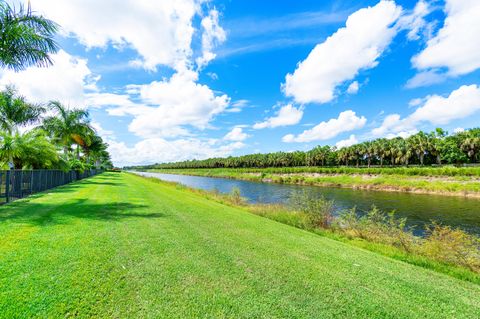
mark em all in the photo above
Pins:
pixel 44 214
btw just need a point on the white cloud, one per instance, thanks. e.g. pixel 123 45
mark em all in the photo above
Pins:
pixel 287 115
pixel 158 150
pixel 414 21
pixel 357 46
pixel 346 121
pixel 236 134
pixel 352 140
pixel 238 105
pixel 437 110
pixel 353 88
pixel 173 104
pixel 104 134
pixel 434 109
pixel 160 31
pixel 213 34
pixel 456 44
pixel 67 80
pixel 390 123
pixel 459 130
pixel 425 78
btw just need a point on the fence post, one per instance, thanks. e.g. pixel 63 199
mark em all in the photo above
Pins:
pixel 21 183
pixel 7 186
pixel 31 182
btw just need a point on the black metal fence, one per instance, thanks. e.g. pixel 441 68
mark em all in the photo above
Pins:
pixel 15 184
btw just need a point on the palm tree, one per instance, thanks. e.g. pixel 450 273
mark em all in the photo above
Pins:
pixel 68 126
pixel 419 144
pixel 380 149
pixel 15 111
pixel 343 156
pixel 369 151
pixel 96 151
pixel 27 150
pixel 471 145
pixel 26 38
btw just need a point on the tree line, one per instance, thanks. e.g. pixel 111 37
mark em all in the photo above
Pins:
pixel 436 147
pixel 40 136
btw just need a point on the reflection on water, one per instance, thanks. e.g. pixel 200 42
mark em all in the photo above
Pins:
pixel 419 209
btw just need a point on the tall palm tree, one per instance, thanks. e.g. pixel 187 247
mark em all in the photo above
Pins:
pixel 26 39
pixel 15 111
pixel 96 151
pixel 471 145
pixel 380 149
pixel 68 126
pixel 368 151
pixel 419 144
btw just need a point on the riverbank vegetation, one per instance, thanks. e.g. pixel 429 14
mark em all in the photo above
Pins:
pixel 457 181
pixel 33 135
pixel 96 248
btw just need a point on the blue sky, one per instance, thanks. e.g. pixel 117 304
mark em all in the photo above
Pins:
pixel 175 80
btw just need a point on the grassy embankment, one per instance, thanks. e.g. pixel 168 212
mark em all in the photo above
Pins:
pixel 119 245
pixel 458 181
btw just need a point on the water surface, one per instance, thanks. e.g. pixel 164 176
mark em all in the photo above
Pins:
pixel 419 209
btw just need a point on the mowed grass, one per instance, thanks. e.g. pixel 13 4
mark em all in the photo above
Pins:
pixel 119 245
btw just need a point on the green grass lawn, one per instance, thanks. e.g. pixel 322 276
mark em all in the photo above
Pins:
pixel 118 245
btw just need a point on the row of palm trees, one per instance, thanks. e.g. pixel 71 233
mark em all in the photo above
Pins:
pixel 33 135
pixel 47 136
pixel 437 147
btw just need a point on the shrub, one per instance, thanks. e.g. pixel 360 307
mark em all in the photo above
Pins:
pixel 236 197
pixel 377 226
pixel 318 209
pixel 453 246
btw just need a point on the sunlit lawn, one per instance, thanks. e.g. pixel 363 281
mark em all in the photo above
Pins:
pixel 121 246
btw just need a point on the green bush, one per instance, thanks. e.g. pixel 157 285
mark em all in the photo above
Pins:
pixel 452 246
pixel 236 196
pixel 318 209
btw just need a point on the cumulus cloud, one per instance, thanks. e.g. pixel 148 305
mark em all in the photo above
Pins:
pixel 174 103
pixel 440 110
pixel 435 109
pixel 455 46
pixel 346 121
pixel 287 115
pixel 236 134
pixel 160 31
pixel 352 140
pixel 67 80
pixel 355 47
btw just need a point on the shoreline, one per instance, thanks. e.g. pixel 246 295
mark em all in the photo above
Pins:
pixel 368 185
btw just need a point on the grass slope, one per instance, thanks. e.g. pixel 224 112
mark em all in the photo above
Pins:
pixel 118 245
